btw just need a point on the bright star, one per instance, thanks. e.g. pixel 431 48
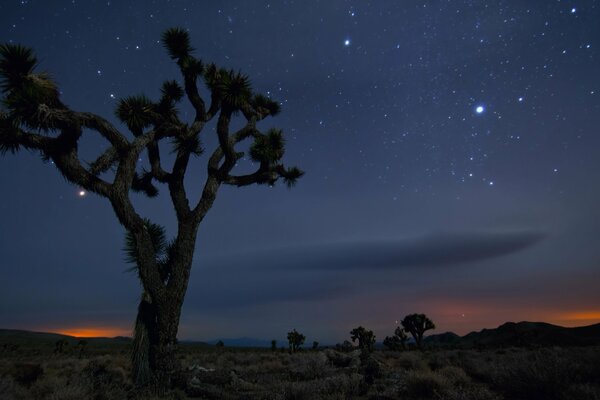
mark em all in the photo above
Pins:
pixel 81 193
pixel 347 42
pixel 573 10
pixel 520 99
pixel 479 109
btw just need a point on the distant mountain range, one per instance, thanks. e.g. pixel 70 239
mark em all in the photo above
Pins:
pixel 23 337
pixel 508 334
pixel 521 334
pixel 243 342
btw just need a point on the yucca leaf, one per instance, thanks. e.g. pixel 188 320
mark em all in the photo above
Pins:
pixel 144 184
pixel 236 89
pixel 192 144
pixel 268 148
pixel 172 91
pixel 263 102
pixel 16 62
pixel 158 237
pixel 135 112
pixel 291 175
pixel 8 135
pixel 191 65
pixel 177 42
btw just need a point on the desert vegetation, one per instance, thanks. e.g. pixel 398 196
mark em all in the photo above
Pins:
pixel 34 371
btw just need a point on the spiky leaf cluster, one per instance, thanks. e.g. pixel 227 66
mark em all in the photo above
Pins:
pixel 232 88
pixel 8 135
pixel 143 183
pixel 268 148
pixel 177 42
pixel 136 112
pixel 236 90
pixel 262 103
pixel 291 175
pixel 191 144
pixel 28 96
pixel 171 91
pixel 16 62
pixel 163 249
pixel 191 65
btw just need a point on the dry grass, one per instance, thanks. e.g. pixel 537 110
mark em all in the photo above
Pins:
pixel 245 374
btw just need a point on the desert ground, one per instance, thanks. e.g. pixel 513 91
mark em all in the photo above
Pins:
pixel 100 370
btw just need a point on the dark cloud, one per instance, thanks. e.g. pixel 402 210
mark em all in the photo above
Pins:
pixel 336 270
pixel 431 250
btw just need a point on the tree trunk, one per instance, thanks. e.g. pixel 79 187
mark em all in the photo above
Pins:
pixel 155 344
pixel 163 360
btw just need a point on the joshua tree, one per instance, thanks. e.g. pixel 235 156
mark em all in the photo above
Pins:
pixel 273 345
pixel 315 345
pixel 366 338
pixel 34 118
pixel 60 346
pixel 397 341
pixel 416 325
pixel 295 339
pixel 81 345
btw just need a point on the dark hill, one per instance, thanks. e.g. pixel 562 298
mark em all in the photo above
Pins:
pixel 521 334
pixel 28 337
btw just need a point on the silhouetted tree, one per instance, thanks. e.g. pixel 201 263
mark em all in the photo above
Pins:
pixel 366 338
pixel 81 346
pixel 315 345
pixel 220 344
pixel 346 346
pixel 397 341
pixel 295 340
pixel 416 325
pixel 60 346
pixel 273 345
pixel 34 118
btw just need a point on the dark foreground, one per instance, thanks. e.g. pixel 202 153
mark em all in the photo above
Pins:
pixel 102 372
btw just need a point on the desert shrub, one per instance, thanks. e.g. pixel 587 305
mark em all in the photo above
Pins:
pixel 532 375
pixel 105 380
pixel 582 391
pixel 455 375
pixel 26 374
pixel 423 384
pixel 469 393
pixel 342 360
pixel 68 392
pixel 370 370
pixel 410 360
pixel 308 366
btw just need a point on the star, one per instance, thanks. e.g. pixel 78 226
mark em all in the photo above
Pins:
pixel 479 109
pixel 347 42
pixel 81 193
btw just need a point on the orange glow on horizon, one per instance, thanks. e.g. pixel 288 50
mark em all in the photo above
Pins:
pixel 580 316
pixel 89 332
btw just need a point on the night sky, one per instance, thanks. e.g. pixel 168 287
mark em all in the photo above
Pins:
pixel 451 151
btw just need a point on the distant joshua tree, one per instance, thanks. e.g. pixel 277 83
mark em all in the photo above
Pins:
pixel 60 346
pixel 397 341
pixel 81 346
pixel 416 325
pixel 315 345
pixel 273 345
pixel 34 118
pixel 220 344
pixel 366 338
pixel 295 339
